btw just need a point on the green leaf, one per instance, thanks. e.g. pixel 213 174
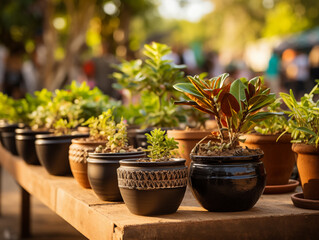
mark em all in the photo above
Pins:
pixel 306 130
pixel 237 89
pixel 188 88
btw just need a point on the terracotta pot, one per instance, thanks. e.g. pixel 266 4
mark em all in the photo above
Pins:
pixel 25 142
pixel 53 152
pixel 308 168
pixel 227 184
pixel 78 154
pixel 152 188
pixel 279 159
pixel 187 140
pixel 102 173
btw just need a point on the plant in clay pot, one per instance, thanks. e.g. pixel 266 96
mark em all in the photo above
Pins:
pixel 304 130
pixel 102 163
pixel 155 185
pixel 80 147
pixel 216 166
pixel 279 159
pixel 153 80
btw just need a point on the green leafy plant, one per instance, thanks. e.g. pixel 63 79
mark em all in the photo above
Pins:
pixel 99 126
pixel 153 78
pixel 304 116
pixel 160 146
pixel 8 111
pixel 236 106
pixel 275 124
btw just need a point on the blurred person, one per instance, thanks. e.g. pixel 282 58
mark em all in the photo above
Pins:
pixel 314 64
pixel 103 69
pixel 303 73
pixel 273 73
pixel 289 69
pixel 13 83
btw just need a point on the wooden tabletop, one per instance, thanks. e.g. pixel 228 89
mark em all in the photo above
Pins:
pixel 273 217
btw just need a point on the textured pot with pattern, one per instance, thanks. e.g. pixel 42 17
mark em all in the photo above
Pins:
pixel 152 188
pixel 227 183
pixel 78 154
pixel 187 140
pixel 279 159
pixel 25 142
pixel 102 175
pixel 308 168
pixel 53 152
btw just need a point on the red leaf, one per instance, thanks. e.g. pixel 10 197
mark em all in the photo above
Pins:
pixel 229 103
pixel 247 95
pixel 225 90
pixel 251 89
pixel 224 122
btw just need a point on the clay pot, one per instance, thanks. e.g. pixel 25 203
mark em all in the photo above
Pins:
pixel 187 140
pixel 25 143
pixel 152 188
pixel 227 184
pixel 102 173
pixel 53 152
pixel 78 153
pixel 308 168
pixel 279 159
pixel 7 137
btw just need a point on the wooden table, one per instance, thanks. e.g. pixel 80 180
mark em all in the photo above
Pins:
pixel 273 217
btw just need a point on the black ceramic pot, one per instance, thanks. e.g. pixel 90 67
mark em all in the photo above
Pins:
pixel 53 152
pixel 226 184
pixel 25 142
pixel 7 137
pixel 152 188
pixel 102 173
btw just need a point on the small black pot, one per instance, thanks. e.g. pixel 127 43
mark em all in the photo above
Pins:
pixel 53 152
pixel 102 173
pixel 25 142
pixel 7 137
pixel 152 188
pixel 227 184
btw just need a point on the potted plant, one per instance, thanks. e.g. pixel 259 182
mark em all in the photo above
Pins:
pixel 224 176
pixel 155 185
pixel 279 159
pixel 304 129
pixel 153 80
pixel 80 147
pixel 68 109
pixel 25 137
pixel 102 163
pixel 9 122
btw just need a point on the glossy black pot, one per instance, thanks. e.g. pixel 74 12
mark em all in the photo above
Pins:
pixel 102 173
pixel 152 188
pixel 226 184
pixel 25 142
pixel 7 137
pixel 53 152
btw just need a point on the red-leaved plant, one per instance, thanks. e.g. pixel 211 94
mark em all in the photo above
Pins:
pixel 236 105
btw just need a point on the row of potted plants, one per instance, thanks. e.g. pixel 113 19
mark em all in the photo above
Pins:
pixel 237 108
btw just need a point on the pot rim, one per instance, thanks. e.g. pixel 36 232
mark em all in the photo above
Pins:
pixel 24 131
pixel 64 136
pixel 94 154
pixel 304 148
pixel 256 138
pixel 135 163
pixel 226 159
pixel 81 141
pixel 110 158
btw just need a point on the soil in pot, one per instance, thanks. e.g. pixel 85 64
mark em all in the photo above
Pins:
pixel 102 174
pixel 152 188
pixel 279 159
pixel 53 152
pixel 308 168
pixel 227 183
pixel 78 153
pixel 25 142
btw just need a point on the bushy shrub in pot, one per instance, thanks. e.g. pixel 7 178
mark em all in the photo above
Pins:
pixel 304 129
pixel 102 163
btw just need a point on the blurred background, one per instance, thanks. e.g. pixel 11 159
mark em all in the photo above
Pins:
pixel 48 43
